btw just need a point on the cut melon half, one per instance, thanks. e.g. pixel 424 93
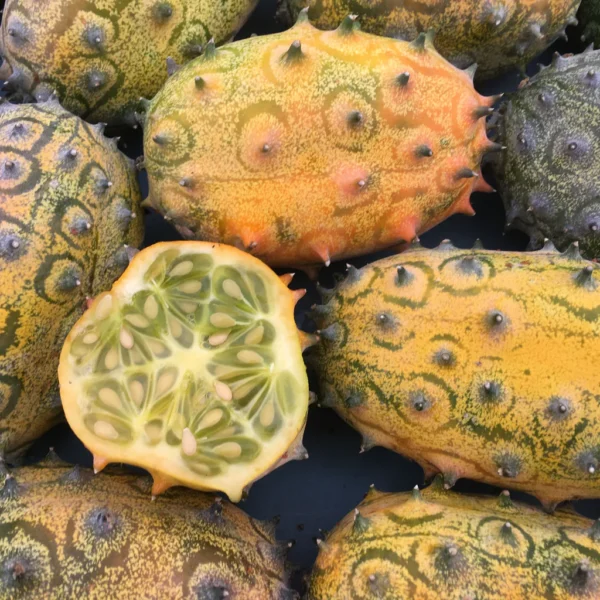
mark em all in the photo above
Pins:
pixel 190 367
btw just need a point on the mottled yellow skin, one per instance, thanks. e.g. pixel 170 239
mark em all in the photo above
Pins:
pixel 153 358
pixel 66 534
pixel 495 34
pixel 438 545
pixel 102 56
pixel 302 155
pixel 62 236
pixel 474 363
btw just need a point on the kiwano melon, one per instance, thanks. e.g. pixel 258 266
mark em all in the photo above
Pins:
pixel 306 146
pixel 68 206
pixel 439 545
pixel 589 21
pixel 497 35
pixel 191 367
pixel 549 176
pixel 67 534
pixel 101 56
pixel 474 363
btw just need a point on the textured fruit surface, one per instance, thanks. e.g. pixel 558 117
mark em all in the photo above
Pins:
pixel 101 56
pixel 474 363
pixel 438 545
pixel 497 35
pixel 305 146
pixel 190 367
pixel 549 176
pixel 67 534
pixel 589 21
pixel 68 201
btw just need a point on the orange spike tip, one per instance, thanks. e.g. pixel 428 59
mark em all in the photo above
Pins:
pixel 308 339
pixel 99 463
pixel 287 278
pixel 161 483
pixel 298 295
pixel 323 254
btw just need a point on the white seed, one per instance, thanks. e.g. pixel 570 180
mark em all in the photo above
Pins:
pixel 111 360
pixel 205 469
pixel 136 391
pixel 190 287
pixel 227 432
pixel 176 328
pixel 137 320
pixel 188 442
pixel 183 268
pixel 126 339
pixel 165 381
pixel 211 418
pixel 105 430
pixel 223 391
pixel 229 450
pixel 151 307
pixel 255 336
pixel 153 432
pixel 231 288
pixel 110 397
pixel 188 307
pixel 103 307
pixel 221 320
pixel 216 339
pixel 90 338
pixel 156 347
pixel 249 357
pixel 267 415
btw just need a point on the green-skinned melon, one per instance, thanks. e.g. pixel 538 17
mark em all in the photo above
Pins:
pixel 66 534
pixel 474 363
pixel 100 57
pixel 439 545
pixel 70 219
pixel 549 174
pixel 589 21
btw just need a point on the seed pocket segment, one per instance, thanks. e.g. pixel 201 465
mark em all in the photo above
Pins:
pixel 191 367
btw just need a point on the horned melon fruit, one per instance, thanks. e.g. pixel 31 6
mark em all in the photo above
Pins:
pixel 495 34
pixel 307 146
pixel 549 175
pixel 589 21
pixel 101 56
pixel 67 534
pixel 69 217
pixel 474 363
pixel 191 367
pixel 439 545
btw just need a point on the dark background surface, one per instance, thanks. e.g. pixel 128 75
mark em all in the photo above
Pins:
pixel 311 496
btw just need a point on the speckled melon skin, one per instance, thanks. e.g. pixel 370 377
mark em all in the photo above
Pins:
pixel 589 21
pixel 308 146
pixel 69 202
pixel 495 34
pixel 66 534
pixel 100 57
pixel 549 176
pixel 473 363
pixel 438 545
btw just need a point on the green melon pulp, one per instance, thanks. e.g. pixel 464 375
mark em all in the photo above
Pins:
pixel 193 361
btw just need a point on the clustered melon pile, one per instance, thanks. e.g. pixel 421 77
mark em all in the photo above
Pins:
pixel 297 149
